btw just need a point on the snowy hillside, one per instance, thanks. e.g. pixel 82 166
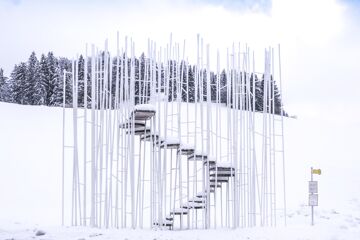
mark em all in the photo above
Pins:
pixel 30 181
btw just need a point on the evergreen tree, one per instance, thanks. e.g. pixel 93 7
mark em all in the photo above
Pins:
pixel 18 83
pixel 81 75
pixel 223 88
pixel 41 83
pixel 32 76
pixel 4 90
pixel 57 99
pixel 191 80
pixel 53 80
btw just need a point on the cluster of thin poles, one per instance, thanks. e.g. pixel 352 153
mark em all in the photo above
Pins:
pixel 152 158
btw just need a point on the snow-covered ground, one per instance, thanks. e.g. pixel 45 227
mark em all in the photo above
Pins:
pixel 30 181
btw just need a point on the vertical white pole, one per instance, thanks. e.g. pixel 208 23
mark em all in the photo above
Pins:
pixel 282 134
pixel 195 125
pixel 253 146
pixel 122 137
pixel 76 188
pixel 208 126
pixel 229 103
pixel 312 207
pixel 132 159
pixel 234 159
pixel 63 152
pixel 93 136
pixel 116 109
pixel 85 130
pixel 126 138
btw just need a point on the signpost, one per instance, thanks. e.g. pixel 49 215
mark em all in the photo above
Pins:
pixel 313 192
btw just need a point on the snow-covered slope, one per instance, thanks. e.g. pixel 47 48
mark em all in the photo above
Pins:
pixel 30 181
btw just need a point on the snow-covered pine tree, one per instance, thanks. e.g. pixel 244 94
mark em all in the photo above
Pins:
pixel 81 69
pixel 191 72
pixel 18 83
pixel 259 93
pixel 213 86
pixel 32 75
pixel 4 90
pixel 140 85
pixel 137 82
pixel 41 83
pixel 277 98
pixel 89 81
pixel 184 90
pixel 223 89
pixel 64 64
pixel 53 80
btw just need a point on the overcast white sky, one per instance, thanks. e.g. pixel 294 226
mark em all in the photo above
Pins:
pixel 320 39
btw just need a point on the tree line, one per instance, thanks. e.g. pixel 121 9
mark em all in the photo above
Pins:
pixel 40 82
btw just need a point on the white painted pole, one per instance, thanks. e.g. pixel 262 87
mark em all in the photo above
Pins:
pixel 63 153
pixel 282 133
pixel 85 132
pixel 116 109
pixel 93 136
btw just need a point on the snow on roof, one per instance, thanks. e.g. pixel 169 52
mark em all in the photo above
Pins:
pixel 145 107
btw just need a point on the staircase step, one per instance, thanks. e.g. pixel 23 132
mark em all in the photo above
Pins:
pixel 179 211
pixel 139 131
pixel 165 223
pixel 194 205
pixel 198 199
pixel 212 185
pixel 222 175
pixel 186 149
pixel 170 142
pixel 197 157
pixel 219 169
pixel 137 124
pixel 211 162
pixel 186 152
pixel 169 217
pixel 227 166
pixel 219 179
pixel 203 194
pixel 152 136
pixel 143 112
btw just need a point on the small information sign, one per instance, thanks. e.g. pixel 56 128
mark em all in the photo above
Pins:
pixel 313 187
pixel 316 171
pixel 313 200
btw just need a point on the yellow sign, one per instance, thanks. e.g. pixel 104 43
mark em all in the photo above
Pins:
pixel 316 171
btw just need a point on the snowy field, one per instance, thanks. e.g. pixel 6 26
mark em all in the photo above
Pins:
pixel 30 181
